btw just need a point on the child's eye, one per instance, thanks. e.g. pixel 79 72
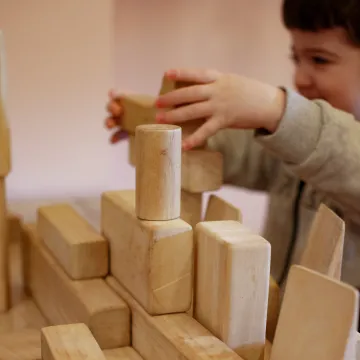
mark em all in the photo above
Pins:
pixel 319 60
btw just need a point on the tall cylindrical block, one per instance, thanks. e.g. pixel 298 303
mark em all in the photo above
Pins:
pixel 158 172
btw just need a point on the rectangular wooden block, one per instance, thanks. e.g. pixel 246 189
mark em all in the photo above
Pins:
pixel 201 170
pixel 77 246
pixel 138 110
pixel 218 209
pixel 66 301
pixel 125 353
pixel 21 345
pixel 152 259
pixel 317 320
pixel 71 341
pixel 232 284
pixel 175 336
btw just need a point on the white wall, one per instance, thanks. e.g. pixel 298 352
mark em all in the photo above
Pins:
pixel 60 58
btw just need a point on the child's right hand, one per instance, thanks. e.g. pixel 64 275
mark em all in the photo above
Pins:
pixel 113 121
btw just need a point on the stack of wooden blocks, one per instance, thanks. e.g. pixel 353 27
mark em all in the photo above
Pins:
pixel 151 285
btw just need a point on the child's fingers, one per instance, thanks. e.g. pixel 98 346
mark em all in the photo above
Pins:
pixel 200 136
pixel 185 113
pixel 111 123
pixel 193 75
pixel 184 95
pixel 118 136
pixel 114 108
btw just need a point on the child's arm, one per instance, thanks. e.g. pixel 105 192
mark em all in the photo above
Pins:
pixel 319 143
pixel 246 163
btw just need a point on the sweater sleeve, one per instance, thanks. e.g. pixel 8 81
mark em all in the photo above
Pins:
pixel 321 145
pixel 246 163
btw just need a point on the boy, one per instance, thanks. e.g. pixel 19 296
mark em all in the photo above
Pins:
pixel 303 147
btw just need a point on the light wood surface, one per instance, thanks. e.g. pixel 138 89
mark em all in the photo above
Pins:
pixel 176 336
pixel 125 353
pixel 318 318
pixel 201 171
pixel 219 209
pixel 324 247
pixel 70 341
pixel 158 172
pixel 66 301
pixel 73 241
pixel 232 283
pixel 152 259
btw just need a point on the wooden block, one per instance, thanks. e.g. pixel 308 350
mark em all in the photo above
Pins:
pixel 218 209
pixel 273 310
pixel 357 346
pixel 125 353
pixel 152 259
pixel 77 246
pixel 5 141
pixel 158 172
pixel 232 284
pixel 132 151
pixel 191 207
pixel 4 250
pixel 14 227
pixel 176 336
pixel 138 110
pixel 24 315
pixel 189 127
pixel 201 170
pixel 66 301
pixel 71 341
pixel 324 247
pixel 21 345
pixel 317 320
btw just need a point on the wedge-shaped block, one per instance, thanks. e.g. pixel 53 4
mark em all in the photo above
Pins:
pixel 201 170
pixel 318 318
pixel 232 285
pixel 218 209
pixel 191 207
pixel 71 341
pixel 124 353
pixel 138 110
pixel 66 301
pixel 174 336
pixel 152 259
pixel 79 248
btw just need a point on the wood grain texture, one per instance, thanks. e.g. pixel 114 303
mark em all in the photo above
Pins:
pixel 218 209
pixel 274 305
pixel 191 207
pixel 125 353
pixel 138 110
pixel 66 301
pixel 324 246
pixel 231 285
pixel 201 170
pixel 70 342
pixel 158 172
pixel 77 246
pixel 21 345
pixel 176 336
pixel 152 259
pixel 318 318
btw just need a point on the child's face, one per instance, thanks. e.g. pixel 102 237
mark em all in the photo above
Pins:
pixel 327 66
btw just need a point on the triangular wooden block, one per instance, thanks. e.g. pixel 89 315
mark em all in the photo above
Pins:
pixel 324 247
pixel 318 318
pixel 218 209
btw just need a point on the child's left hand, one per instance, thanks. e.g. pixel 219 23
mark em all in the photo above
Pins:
pixel 223 100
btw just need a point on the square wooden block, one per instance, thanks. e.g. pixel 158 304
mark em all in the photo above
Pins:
pixel 152 259
pixel 201 170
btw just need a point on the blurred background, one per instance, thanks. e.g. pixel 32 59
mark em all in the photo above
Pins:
pixel 64 56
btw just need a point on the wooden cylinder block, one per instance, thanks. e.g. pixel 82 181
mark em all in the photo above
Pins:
pixel 158 172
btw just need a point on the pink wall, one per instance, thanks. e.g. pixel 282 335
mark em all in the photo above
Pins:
pixel 60 58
